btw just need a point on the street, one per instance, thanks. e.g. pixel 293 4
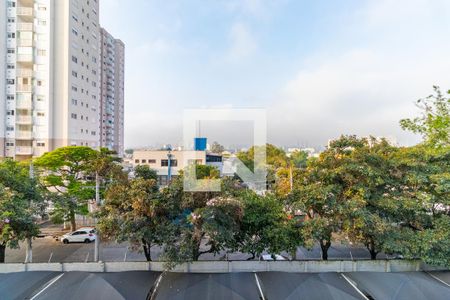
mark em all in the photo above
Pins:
pixel 48 249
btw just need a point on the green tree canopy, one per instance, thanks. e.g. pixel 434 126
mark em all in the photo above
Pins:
pixel 434 122
pixel 20 200
pixel 67 172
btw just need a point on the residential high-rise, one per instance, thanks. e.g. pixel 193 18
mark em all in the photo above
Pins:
pixel 112 92
pixel 50 76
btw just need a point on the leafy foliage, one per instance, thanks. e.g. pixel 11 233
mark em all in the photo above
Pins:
pixel 20 201
pixel 434 122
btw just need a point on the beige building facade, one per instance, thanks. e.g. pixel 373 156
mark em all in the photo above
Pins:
pixel 50 76
pixel 112 92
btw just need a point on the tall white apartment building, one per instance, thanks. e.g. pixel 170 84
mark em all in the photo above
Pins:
pixel 112 92
pixel 50 76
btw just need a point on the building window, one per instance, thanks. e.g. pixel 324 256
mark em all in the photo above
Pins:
pixel 74 31
pixel 74 88
pixel 74 116
pixel 74 59
pixel 74 102
pixel 40 144
pixel 11 51
pixel 41 52
pixel 41 114
pixel 9 128
pixel 165 162
pixel 144 161
pixel 136 161
pixel 74 74
pixel 152 161
pixel 9 144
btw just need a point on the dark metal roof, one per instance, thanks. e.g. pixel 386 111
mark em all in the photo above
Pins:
pixel 229 286
pixel 290 286
pixel 22 285
pixel 396 286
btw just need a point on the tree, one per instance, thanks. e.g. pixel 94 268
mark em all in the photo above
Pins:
pixel 20 201
pixel 265 226
pixel 299 159
pixel 370 178
pixel 135 211
pixel 211 218
pixel 66 172
pixel 434 122
pixel 320 192
pixel 275 159
pixel 217 148
pixel 145 172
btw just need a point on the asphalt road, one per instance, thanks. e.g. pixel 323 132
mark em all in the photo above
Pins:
pixel 48 249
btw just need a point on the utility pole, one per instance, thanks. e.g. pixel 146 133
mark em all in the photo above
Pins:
pixel 291 180
pixel 29 247
pixel 169 165
pixel 98 202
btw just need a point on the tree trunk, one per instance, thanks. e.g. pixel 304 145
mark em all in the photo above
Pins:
pixel 372 250
pixel 147 250
pixel 2 253
pixel 325 245
pixel 294 254
pixel 73 223
pixel 29 251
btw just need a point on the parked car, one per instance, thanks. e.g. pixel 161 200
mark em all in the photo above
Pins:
pixel 271 257
pixel 82 235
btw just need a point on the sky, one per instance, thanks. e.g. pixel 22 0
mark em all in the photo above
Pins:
pixel 320 68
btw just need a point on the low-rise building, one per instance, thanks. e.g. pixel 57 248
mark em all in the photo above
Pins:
pixel 179 160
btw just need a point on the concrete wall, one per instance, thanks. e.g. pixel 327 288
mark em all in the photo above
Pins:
pixel 231 266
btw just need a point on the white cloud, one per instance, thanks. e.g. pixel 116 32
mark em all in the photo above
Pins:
pixel 366 90
pixel 260 9
pixel 242 42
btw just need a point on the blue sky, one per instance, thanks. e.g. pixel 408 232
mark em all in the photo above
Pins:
pixel 320 68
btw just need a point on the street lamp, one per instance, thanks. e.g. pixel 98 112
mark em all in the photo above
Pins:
pixel 169 164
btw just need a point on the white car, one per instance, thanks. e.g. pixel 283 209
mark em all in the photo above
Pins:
pixel 82 235
pixel 269 257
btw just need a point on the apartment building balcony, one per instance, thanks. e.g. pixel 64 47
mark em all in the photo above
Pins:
pixel 24 120
pixel 25 12
pixel 24 88
pixel 24 103
pixel 26 58
pixel 25 43
pixel 24 135
pixel 24 26
pixel 24 73
pixel 24 150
